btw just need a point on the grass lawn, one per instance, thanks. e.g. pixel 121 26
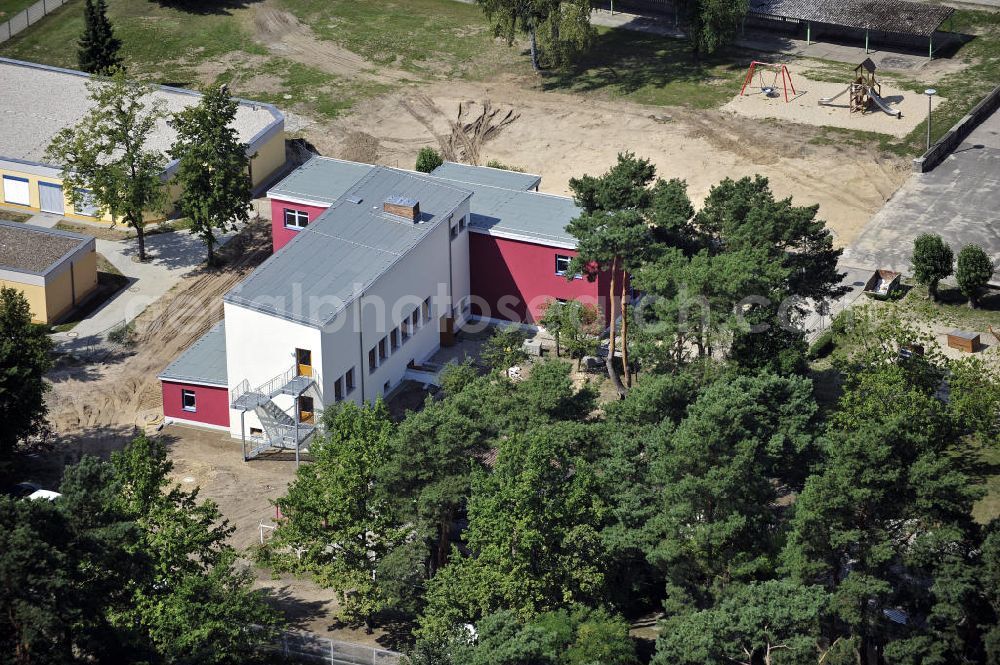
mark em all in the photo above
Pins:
pixel 650 69
pixel 10 7
pixel 12 216
pixel 952 308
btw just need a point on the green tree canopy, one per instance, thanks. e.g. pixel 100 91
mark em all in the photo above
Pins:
pixel 105 156
pixel 974 271
pixel 24 359
pixel 932 261
pixel 428 159
pixel 98 47
pixel 212 170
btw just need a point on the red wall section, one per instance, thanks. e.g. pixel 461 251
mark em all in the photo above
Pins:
pixel 280 236
pixel 512 279
pixel 212 403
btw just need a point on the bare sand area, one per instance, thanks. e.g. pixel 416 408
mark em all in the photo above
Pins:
pixel 803 107
pixel 561 136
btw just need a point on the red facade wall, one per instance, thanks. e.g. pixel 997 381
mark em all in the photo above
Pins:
pixel 512 279
pixel 280 236
pixel 212 403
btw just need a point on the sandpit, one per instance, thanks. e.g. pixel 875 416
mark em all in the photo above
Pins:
pixel 804 107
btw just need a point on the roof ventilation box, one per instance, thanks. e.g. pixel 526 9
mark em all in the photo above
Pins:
pixel 400 206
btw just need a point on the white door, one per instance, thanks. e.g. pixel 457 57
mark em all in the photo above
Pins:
pixel 15 190
pixel 50 197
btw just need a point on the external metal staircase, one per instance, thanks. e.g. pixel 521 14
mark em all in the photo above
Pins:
pixel 282 431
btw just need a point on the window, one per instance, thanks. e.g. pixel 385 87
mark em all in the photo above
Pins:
pixel 88 206
pixel 394 339
pixel 426 309
pixel 189 401
pixel 372 360
pixel 454 232
pixel 383 352
pixel 461 223
pixel 338 390
pixel 256 431
pixel 15 190
pixel 349 380
pixel 296 219
pixel 404 329
pixel 562 266
pixel 415 319
pixel 386 387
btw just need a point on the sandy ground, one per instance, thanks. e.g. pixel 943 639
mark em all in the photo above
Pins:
pixel 561 136
pixel 803 107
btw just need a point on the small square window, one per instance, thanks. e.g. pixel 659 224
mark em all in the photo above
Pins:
pixel 296 219
pixel 383 349
pixel 349 380
pixel 372 360
pixel 189 401
pixel 386 387
pixel 415 319
pixel 454 232
pixel 394 339
pixel 338 390
pixel 404 328
pixel 461 223
pixel 562 264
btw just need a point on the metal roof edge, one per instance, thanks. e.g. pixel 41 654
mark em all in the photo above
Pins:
pixel 85 241
pixel 534 240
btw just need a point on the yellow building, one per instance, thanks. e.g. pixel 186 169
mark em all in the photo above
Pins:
pixel 39 101
pixel 56 270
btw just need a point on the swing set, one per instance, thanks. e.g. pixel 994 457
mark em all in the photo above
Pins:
pixel 769 90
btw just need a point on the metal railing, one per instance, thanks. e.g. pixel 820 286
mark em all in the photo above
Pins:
pixel 307 646
pixel 26 17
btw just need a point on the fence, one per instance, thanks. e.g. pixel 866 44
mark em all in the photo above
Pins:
pixel 307 646
pixel 26 17
pixel 957 133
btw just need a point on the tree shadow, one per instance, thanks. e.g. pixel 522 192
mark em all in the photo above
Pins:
pixel 299 612
pixel 207 7
pixel 628 61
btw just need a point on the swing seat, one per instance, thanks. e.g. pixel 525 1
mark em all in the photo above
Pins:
pixel 769 92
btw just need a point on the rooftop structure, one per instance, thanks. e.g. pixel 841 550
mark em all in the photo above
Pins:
pixel 349 246
pixel 887 16
pixel 486 175
pixel 39 101
pixel 204 362
pixel 509 212
pixel 34 250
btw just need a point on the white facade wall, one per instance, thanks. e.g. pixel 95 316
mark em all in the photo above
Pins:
pixel 258 348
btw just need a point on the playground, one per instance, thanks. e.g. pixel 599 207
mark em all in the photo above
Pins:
pixel 862 101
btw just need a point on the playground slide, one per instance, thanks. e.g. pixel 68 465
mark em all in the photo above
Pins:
pixel 829 100
pixel 879 102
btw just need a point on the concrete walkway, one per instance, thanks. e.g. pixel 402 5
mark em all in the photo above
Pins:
pixel 171 257
pixel 959 200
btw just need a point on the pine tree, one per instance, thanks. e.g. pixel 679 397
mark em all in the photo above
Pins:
pixel 99 47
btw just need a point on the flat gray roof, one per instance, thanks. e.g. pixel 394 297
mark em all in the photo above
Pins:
pixel 347 248
pixel 320 180
pixel 202 362
pixel 38 101
pixel 897 16
pixel 523 215
pixel 485 175
pixel 36 250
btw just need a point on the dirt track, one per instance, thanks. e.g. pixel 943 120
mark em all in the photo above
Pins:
pixel 95 407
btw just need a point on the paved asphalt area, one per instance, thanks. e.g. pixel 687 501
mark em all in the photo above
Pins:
pixel 959 200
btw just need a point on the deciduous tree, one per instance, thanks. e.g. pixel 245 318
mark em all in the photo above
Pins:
pixel 212 170
pixel 974 272
pixel 105 158
pixel 932 261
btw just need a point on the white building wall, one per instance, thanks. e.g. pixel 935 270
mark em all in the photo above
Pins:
pixel 258 348
pixel 461 278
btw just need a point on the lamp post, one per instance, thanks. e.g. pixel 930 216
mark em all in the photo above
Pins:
pixel 930 92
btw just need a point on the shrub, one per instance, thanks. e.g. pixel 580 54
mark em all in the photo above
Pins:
pixel 932 261
pixel 497 164
pixel 428 159
pixel 823 345
pixel 123 334
pixel 974 272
